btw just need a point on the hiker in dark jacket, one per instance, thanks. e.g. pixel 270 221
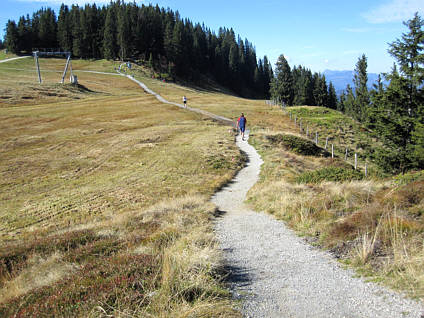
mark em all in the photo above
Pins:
pixel 241 124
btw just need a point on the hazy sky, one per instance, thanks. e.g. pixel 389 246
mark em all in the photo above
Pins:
pixel 318 34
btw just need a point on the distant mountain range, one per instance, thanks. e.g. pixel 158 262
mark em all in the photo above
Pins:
pixel 340 79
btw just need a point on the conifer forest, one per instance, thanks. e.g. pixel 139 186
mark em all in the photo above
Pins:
pixel 127 31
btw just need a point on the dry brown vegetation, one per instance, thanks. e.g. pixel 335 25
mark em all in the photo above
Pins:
pixel 104 203
pixel 375 225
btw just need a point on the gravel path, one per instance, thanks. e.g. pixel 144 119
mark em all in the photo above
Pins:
pixel 13 58
pixel 276 274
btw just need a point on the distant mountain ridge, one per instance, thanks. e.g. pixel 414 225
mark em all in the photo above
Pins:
pixel 341 79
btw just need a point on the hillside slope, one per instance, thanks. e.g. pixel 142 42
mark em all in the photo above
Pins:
pixel 104 200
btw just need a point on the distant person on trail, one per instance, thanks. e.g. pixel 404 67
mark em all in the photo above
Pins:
pixel 241 124
pixel 185 101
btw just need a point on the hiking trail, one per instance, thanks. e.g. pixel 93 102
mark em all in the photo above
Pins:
pixel 274 272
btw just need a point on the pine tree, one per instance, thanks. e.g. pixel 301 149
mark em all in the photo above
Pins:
pixel 332 97
pixel 64 33
pixel 341 102
pixel 282 86
pixel 24 35
pixel 12 37
pixel 394 125
pixel 268 76
pixel 123 32
pixel 47 31
pixel 417 155
pixel 320 91
pixel 362 99
pixel 177 47
pixel 109 36
pixel 376 95
pixel 400 107
pixel 234 67
pixel 349 102
pixel 408 51
pixel 77 41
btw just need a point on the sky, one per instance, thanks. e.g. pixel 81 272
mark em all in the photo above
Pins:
pixel 317 34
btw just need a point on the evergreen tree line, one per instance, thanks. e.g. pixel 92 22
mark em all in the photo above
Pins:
pixel 299 86
pixel 128 31
pixel 394 111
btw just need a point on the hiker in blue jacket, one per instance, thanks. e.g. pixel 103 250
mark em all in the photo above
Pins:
pixel 241 124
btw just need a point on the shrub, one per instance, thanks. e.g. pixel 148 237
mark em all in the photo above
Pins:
pixel 330 174
pixel 298 145
pixel 119 280
pixel 14 258
pixel 406 178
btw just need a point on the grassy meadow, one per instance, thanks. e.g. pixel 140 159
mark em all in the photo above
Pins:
pixel 104 195
pixel 104 199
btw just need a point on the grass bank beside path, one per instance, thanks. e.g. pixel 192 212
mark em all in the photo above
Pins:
pixel 104 203
pixel 342 131
pixel 375 225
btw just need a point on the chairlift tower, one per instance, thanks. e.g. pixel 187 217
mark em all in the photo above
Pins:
pixel 67 65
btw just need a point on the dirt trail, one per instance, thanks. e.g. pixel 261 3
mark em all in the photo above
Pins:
pixel 275 273
pixel 13 58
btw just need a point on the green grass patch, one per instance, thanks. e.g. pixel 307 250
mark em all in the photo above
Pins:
pixel 330 174
pixel 403 179
pixel 342 131
pixel 298 145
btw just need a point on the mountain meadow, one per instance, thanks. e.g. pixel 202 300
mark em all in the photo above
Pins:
pixel 105 191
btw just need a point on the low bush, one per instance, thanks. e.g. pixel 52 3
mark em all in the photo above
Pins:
pixel 330 174
pixel 100 282
pixel 409 177
pixel 298 145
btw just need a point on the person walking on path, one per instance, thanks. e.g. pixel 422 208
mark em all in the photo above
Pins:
pixel 241 124
pixel 185 101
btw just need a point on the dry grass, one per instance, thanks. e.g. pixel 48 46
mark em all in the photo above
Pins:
pixel 113 185
pixel 375 225
pixel 96 158
pixel 19 82
pixel 39 272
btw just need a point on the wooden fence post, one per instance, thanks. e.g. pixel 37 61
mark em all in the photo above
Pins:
pixel 326 143
pixel 307 131
pixel 316 138
pixel 332 150
pixel 295 119
pixel 346 155
pixel 356 161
